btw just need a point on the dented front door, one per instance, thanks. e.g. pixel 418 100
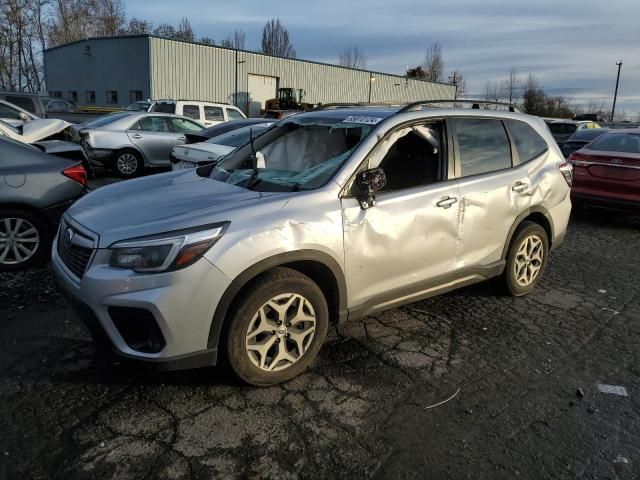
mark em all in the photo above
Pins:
pixel 408 237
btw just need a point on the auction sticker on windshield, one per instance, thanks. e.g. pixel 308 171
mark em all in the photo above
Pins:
pixel 361 119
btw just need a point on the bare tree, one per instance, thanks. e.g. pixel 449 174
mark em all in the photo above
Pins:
pixel 109 17
pixel 237 40
pixel 416 72
pixel 137 27
pixel 184 30
pixel 207 41
pixel 353 57
pixel 457 78
pixel 433 63
pixel 493 91
pixel 511 85
pixel 275 40
pixel 165 30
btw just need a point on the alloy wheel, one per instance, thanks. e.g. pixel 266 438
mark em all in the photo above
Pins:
pixel 529 260
pixel 19 240
pixel 280 332
pixel 127 163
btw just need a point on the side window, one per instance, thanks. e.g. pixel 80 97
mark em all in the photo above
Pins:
pixel 154 124
pixel 22 102
pixel 213 114
pixel 483 145
pixel 234 114
pixel 528 143
pixel 191 111
pixel 182 125
pixel 7 112
pixel 412 156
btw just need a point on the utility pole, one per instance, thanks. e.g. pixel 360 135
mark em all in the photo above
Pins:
pixel 371 79
pixel 615 95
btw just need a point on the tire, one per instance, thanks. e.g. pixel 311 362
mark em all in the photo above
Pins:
pixel 128 163
pixel 24 240
pixel 259 350
pixel 526 259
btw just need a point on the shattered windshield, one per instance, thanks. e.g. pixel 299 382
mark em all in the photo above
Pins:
pixel 302 153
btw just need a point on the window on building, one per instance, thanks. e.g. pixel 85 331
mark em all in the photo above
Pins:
pixel 90 96
pixel 55 94
pixel 112 96
pixel 528 143
pixel 213 114
pixel 135 96
pixel 72 95
pixel 191 111
pixel 483 145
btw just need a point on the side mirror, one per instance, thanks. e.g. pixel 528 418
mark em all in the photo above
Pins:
pixel 370 182
pixel 24 117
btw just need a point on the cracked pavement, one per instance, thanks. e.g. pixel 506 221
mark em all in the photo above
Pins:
pixel 363 410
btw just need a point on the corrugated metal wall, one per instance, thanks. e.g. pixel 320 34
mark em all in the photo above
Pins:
pixel 120 64
pixel 184 70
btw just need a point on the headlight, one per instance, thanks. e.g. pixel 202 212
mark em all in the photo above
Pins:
pixel 169 251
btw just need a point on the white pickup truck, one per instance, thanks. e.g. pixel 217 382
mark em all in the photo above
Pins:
pixel 205 112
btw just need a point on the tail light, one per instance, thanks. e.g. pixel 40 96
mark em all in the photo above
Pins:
pixel 77 173
pixel 567 172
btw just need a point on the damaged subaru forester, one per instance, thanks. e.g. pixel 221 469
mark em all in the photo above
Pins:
pixel 328 215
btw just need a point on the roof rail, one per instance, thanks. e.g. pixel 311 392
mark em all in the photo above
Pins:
pixel 335 106
pixel 475 104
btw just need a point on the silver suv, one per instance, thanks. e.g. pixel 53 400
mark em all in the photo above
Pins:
pixel 327 216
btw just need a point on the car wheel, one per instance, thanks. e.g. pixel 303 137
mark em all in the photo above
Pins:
pixel 278 327
pixel 526 259
pixel 24 240
pixel 128 164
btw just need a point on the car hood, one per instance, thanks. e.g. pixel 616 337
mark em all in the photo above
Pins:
pixel 199 152
pixel 166 202
pixel 40 129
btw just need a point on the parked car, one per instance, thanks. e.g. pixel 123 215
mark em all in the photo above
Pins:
pixel 36 130
pixel 140 106
pixel 328 215
pixel 31 102
pixel 210 151
pixel 128 141
pixel 14 115
pixel 207 113
pixel 36 190
pixel 59 105
pixel 580 139
pixel 607 171
pixel 563 129
pixel 221 128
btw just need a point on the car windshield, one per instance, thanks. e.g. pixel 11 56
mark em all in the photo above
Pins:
pixel 239 136
pixel 302 153
pixel 106 120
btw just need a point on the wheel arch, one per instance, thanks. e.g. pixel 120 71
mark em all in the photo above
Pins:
pixel 320 267
pixel 538 215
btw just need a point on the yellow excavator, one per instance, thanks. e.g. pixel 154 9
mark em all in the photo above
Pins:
pixel 288 99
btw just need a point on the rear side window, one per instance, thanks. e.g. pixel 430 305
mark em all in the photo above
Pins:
pixel 483 145
pixel 528 143
pixel 234 114
pixel 153 124
pixel 213 114
pixel 182 125
pixel 191 111
pixel 22 102
pixel 617 142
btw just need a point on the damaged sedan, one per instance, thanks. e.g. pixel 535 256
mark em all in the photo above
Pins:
pixel 327 216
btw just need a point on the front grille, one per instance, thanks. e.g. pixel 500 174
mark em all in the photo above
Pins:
pixel 75 249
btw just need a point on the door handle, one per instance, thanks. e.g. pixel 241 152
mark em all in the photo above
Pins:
pixel 520 187
pixel 136 135
pixel 446 202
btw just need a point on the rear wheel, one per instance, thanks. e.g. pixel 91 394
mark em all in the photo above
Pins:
pixel 526 259
pixel 278 327
pixel 24 240
pixel 128 163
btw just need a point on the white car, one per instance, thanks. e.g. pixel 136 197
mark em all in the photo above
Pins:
pixel 14 115
pixel 206 113
pixel 203 153
pixel 34 130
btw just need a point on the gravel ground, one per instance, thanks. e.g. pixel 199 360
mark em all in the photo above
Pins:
pixel 366 408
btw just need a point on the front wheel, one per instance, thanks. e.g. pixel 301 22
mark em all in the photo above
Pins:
pixel 128 164
pixel 24 240
pixel 526 259
pixel 278 328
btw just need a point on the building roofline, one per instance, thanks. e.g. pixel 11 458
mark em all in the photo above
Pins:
pixel 148 35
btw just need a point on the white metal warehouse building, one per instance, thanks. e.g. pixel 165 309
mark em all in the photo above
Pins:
pixel 115 71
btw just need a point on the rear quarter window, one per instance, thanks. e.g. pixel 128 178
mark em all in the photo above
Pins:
pixel 529 144
pixel 213 114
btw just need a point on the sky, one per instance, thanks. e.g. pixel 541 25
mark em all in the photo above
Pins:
pixel 571 46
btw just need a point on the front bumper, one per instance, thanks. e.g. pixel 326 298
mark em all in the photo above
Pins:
pixel 182 304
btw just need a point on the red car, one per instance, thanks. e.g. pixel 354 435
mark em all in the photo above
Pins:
pixel 606 172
